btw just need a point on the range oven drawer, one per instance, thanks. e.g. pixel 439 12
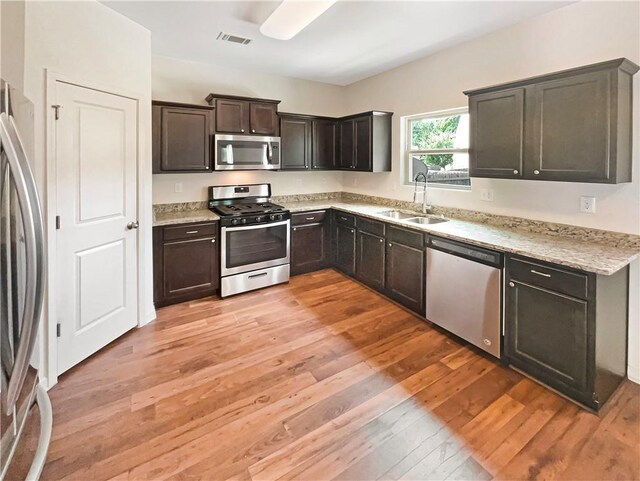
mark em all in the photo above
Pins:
pixel 248 281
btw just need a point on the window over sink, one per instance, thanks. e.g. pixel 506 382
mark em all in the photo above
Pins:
pixel 437 144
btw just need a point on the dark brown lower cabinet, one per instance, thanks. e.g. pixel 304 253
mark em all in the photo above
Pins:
pixel 370 260
pixel 345 248
pixel 308 248
pixel 186 262
pixel 567 328
pixel 404 275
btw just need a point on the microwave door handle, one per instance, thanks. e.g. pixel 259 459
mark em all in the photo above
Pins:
pixel 269 152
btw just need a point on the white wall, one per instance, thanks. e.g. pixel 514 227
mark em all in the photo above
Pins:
pixel 575 35
pixel 185 81
pixel 89 43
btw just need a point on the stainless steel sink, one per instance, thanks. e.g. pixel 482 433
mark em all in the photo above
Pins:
pixel 396 214
pixel 426 220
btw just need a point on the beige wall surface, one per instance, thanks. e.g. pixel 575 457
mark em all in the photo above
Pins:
pixel 184 81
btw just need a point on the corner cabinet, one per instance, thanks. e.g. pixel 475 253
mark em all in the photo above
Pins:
pixel 573 126
pixel 181 137
pixel 245 115
pixel 185 262
pixel 567 328
pixel 365 142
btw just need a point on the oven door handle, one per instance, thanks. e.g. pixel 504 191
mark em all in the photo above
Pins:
pixel 255 226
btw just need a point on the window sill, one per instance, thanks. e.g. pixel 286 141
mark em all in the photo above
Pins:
pixel 435 185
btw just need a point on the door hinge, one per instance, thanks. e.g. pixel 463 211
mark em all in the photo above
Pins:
pixel 57 222
pixel 58 330
pixel 57 109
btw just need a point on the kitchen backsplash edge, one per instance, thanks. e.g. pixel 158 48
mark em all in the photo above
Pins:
pixel 618 239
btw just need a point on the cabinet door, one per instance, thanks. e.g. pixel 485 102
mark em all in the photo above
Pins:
pixel 370 260
pixel 362 148
pixel 264 118
pixel 346 249
pixel 571 129
pixel 547 336
pixel 185 141
pixel 308 249
pixel 324 145
pixel 232 116
pixel 190 266
pixel 497 134
pixel 405 275
pixel 346 145
pixel 295 141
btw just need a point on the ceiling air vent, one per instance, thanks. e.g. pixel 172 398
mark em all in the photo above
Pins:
pixel 227 37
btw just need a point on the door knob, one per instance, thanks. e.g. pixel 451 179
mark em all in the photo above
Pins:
pixel 133 225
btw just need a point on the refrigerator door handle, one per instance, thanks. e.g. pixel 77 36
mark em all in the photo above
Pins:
pixel 26 192
pixel 46 426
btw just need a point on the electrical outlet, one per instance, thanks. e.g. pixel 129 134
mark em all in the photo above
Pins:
pixel 177 187
pixel 486 195
pixel 588 205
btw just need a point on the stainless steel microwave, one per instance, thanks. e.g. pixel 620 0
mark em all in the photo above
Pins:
pixel 247 152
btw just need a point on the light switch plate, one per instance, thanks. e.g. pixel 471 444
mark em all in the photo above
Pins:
pixel 486 195
pixel 588 204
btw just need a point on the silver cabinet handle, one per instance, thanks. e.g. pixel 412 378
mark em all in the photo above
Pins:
pixel 295 228
pixel 310 218
pixel 352 231
pixel 135 225
pixel 390 244
pixel 192 232
pixel 543 274
pixel 381 240
pixel 511 284
pixel 242 130
pixel 536 172
pixel 253 131
pixel 516 171
pixel 213 241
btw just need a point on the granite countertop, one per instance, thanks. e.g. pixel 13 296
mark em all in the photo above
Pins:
pixel 584 255
pixel 183 217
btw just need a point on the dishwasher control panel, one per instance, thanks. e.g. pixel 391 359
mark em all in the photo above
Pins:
pixel 480 254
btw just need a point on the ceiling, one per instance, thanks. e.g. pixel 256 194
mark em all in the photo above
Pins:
pixel 351 41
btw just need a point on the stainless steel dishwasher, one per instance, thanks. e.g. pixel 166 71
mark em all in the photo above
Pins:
pixel 464 292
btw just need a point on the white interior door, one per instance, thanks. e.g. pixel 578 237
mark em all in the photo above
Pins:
pixel 96 144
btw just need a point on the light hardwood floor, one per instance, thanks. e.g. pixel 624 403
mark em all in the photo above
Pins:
pixel 320 379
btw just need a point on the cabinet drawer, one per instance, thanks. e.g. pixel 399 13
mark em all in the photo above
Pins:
pixel 566 282
pixel 308 217
pixel 371 226
pixel 190 231
pixel 406 237
pixel 345 219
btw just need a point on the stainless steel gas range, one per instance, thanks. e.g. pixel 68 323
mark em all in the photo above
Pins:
pixel 254 237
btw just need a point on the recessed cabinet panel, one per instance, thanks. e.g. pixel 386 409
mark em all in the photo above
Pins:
pixel 308 248
pixel 232 116
pixel 548 333
pixel 325 145
pixel 362 149
pixel 346 145
pixel 497 134
pixel 370 260
pixel 181 138
pixel 263 118
pixel 295 141
pixel 571 129
pixel 346 249
pixel 405 275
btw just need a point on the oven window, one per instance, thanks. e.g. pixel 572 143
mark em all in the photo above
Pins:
pixel 251 246
pixel 244 153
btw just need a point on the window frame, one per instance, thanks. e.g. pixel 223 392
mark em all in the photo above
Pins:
pixel 407 152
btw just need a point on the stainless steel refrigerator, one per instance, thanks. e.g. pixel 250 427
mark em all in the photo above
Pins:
pixel 25 419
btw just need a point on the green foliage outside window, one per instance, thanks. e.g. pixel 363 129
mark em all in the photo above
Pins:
pixel 427 134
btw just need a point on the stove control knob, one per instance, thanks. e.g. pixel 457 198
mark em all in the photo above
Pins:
pixel 278 216
pixel 243 221
pixel 235 221
pixel 259 218
pixel 272 217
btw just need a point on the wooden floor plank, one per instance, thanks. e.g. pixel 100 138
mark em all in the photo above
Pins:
pixel 320 379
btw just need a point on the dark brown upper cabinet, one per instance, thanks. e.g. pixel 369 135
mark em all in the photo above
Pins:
pixel 245 115
pixel 365 142
pixel 574 126
pixel 181 137
pixel 295 142
pixel 497 134
pixel 324 144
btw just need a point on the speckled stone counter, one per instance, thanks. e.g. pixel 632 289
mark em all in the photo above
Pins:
pixel 587 255
pixel 182 213
pixel 590 250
